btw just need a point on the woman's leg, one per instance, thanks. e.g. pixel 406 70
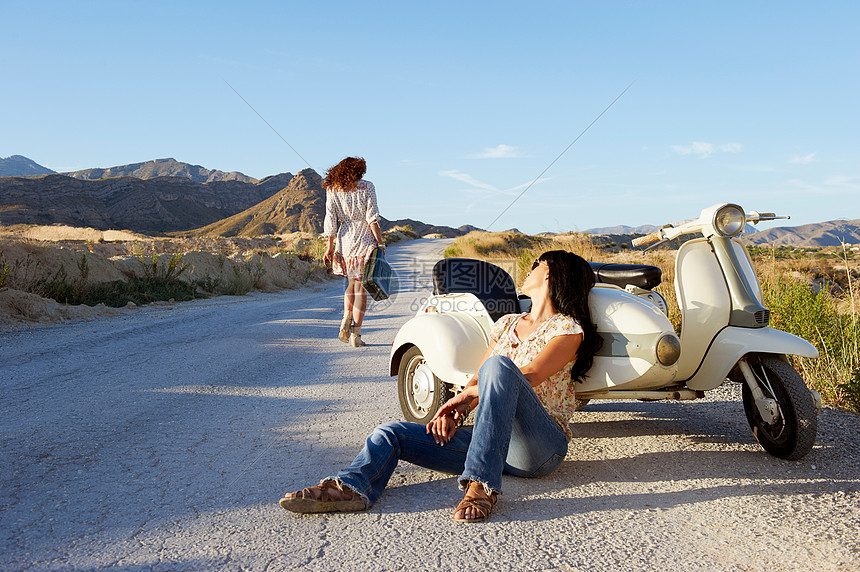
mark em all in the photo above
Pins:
pixel 346 321
pixel 391 442
pixel 513 432
pixel 359 295
pixel 349 297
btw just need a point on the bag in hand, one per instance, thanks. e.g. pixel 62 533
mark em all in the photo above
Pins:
pixel 377 276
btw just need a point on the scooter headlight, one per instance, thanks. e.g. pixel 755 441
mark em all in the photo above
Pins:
pixel 668 349
pixel 730 220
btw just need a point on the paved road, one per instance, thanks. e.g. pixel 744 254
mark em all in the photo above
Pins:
pixel 161 439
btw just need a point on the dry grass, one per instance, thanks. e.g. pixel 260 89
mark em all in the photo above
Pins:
pixel 78 266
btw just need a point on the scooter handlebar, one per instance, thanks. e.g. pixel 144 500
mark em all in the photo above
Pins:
pixel 648 238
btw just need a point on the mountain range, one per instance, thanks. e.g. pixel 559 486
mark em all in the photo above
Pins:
pixel 168 196
pixel 830 233
pixel 162 168
pixel 150 206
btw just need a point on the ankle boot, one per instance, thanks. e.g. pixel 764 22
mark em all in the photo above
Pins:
pixel 355 337
pixel 343 335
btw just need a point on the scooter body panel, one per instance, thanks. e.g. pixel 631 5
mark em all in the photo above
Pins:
pixel 630 328
pixel 452 344
pixel 452 331
pixel 704 301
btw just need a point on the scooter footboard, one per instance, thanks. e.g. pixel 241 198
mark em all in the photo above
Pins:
pixel 733 343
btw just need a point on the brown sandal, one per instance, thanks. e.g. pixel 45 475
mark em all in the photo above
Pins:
pixel 323 498
pixel 483 504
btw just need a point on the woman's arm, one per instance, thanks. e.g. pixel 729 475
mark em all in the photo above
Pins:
pixel 555 355
pixel 330 227
pixel 377 233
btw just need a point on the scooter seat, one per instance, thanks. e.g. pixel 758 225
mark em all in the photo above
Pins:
pixel 641 275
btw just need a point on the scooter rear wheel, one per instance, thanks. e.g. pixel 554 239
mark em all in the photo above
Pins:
pixel 792 434
pixel 420 392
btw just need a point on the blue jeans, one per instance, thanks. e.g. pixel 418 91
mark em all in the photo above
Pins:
pixel 512 433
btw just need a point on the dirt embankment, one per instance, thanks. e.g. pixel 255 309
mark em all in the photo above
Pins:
pixel 32 255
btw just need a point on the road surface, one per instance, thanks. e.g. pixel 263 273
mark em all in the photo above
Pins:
pixel 162 439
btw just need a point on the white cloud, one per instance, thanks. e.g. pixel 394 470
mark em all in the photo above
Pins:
pixel 530 183
pixel 473 182
pixel 498 152
pixel 468 179
pixel 705 150
pixel 840 181
pixel 803 159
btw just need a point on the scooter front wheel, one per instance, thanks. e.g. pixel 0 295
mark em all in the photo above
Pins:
pixel 791 434
pixel 420 392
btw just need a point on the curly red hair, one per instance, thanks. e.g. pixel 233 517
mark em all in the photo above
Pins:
pixel 345 174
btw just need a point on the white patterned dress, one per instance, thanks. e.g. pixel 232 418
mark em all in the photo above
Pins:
pixel 557 393
pixel 355 209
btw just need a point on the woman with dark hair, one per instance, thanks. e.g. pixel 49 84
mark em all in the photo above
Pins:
pixel 351 201
pixel 524 397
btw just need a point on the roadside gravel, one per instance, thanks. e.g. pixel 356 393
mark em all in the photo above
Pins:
pixel 162 438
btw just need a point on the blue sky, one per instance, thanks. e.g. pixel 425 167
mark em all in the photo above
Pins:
pixel 459 106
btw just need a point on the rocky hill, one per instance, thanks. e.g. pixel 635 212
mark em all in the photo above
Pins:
pixel 20 166
pixel 162 168
pixel 300 206
pixel 150 206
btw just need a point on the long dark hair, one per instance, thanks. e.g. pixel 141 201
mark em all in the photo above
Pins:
pixel 345 174
pixel 570 281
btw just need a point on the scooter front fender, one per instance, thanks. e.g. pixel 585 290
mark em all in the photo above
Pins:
pixel 733 343
pixel 452 344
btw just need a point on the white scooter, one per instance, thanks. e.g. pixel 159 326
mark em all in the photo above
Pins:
pixel 725 334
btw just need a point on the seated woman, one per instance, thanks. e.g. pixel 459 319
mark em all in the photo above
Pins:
pixel 524 395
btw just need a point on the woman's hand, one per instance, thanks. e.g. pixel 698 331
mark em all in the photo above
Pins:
pixel 331 256
pixel 444 424
pixel 442 428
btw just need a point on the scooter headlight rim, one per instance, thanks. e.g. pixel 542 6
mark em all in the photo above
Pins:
pixel 729 220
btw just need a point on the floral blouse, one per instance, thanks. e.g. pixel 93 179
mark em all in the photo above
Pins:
pixel 557 393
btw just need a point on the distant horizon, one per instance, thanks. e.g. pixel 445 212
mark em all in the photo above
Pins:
pixel 592 230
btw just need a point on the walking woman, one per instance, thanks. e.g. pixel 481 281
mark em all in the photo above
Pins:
pixel 351 202
pixel 524 394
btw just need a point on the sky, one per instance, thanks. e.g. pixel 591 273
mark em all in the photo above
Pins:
pixel 494 114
